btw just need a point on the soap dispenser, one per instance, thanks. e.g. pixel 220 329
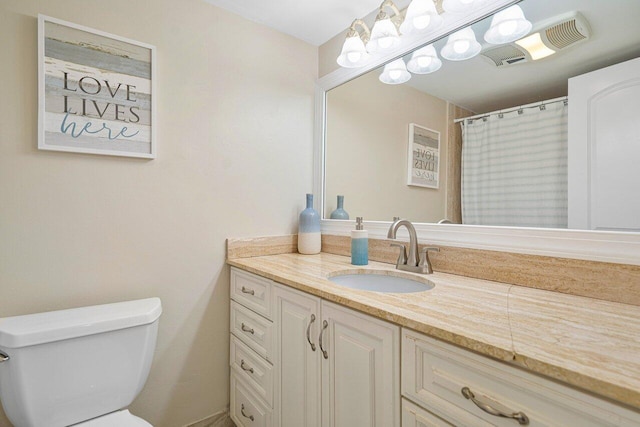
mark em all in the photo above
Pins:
pixel 359 244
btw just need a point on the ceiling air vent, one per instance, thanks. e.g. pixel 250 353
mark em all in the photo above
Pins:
pixel 570 30
pixel 507 54
pixel 557 34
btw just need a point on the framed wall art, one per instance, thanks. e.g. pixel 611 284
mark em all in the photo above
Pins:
pixel 95 91
pixel 424 157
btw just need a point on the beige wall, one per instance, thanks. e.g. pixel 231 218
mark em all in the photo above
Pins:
pixel 366 155
pixel 328 54
pixel 234 126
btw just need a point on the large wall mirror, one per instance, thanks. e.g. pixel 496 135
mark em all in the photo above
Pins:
pixel 369 125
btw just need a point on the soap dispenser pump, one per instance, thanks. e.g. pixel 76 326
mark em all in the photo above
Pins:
pixel 359 244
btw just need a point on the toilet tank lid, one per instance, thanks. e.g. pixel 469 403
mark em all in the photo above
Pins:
pixel 40 328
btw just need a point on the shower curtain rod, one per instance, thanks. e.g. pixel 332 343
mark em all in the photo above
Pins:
pixel 509 110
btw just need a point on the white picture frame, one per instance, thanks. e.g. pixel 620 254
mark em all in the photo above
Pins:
pixel 423 154
pixel 96 91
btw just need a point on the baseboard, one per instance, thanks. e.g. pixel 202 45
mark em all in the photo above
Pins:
pixel 219 419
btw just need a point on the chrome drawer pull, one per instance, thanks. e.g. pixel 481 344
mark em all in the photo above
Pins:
pixel 520 417
pixel 4 357
pixel 324 352
pixel 313 319
pixel 248 291
pixel 245 415
pixel 242 365
pixel 247 329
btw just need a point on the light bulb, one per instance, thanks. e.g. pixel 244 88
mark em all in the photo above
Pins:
pixel 353 53
pixel 458 6
pixel 507 28
pixel 421 15
pixel 384 36
pixel 421 22
pixel 461 46
pixel 424 61
pixel 395 73
pixel 354 57
pixel 385 42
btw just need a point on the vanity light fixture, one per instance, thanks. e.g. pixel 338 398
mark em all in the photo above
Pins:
pixel 424 61
pixel 461 45
pixel 420 15
pixel 384 34
pixel 535 46
pixel 507 26
pixel 395 73
pixel 457 6
pixel 354 54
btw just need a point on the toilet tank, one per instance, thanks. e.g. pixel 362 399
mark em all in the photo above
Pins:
pixel 69 366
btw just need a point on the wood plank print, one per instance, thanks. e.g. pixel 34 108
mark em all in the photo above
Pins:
pixel 95 91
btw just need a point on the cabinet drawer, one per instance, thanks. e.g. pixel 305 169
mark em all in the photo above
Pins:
pixel 253 330
pixel 415 416
pixel 434 374
pixel 253 369
pixel 251 291
pixel 247 410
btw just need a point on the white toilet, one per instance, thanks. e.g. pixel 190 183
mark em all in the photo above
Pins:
pixel 78 367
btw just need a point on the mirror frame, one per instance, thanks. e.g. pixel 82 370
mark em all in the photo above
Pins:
pixel 606 246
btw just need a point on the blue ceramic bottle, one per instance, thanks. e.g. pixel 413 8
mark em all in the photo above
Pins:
pixel 309 238
pixel 340 213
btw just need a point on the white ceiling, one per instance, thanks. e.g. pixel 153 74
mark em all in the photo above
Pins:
pixel 314 21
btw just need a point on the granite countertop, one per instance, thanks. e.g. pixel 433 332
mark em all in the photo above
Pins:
pixel 588 343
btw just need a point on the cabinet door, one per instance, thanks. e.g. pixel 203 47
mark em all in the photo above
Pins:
pixel 297 386
pixel 360 375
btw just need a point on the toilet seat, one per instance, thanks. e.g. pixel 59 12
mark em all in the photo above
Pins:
pixel 122 418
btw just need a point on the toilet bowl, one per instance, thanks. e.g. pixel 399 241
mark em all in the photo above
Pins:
pixel 77 367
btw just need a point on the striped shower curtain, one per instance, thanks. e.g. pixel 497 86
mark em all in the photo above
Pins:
pixel 514 168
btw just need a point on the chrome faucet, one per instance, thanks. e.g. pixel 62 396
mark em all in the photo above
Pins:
pixel 412 262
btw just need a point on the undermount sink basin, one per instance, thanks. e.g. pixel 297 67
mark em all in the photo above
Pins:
pixel 380 281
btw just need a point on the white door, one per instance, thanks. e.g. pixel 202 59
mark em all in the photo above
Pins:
pixel 360 373
pixel 297 371
pixel 604 148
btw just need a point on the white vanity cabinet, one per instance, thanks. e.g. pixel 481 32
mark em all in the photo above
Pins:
pixel 251 350
pixel 437 376
pixel 332 366
pixel 300 361
pixel 336 367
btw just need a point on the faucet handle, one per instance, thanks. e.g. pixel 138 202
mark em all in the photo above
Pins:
pixel 424 258
pixel 402 256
